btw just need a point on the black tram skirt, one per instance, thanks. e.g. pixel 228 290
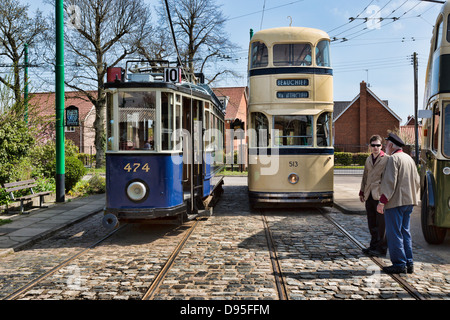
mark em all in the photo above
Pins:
pixel 305 199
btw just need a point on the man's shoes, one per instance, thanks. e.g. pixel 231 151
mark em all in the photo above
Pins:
pixel 394 269
pixel 410 269
pixel 366 250
pixel 376 253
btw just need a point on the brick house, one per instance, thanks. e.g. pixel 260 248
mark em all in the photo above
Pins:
pixel 83 136
pixel 235 101
pixel 354 122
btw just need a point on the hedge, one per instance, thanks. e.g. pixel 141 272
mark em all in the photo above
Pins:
pixel 348 158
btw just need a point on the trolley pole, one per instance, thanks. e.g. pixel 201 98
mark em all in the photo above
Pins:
pixel 416 120
pixel 59 103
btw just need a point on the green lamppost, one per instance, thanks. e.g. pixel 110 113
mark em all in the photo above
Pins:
pixel 59 103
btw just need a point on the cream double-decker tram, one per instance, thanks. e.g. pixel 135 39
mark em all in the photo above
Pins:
pixel 291 157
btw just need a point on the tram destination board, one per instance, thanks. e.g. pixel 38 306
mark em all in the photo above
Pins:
pixel 292 94
pixel 292 82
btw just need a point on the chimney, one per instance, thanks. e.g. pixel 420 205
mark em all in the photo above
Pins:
pixel 362 113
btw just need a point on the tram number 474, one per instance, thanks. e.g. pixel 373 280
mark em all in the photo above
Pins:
pixel 133 167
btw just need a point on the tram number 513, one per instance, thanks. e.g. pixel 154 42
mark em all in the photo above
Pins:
pixel 133 167
pixel 293 164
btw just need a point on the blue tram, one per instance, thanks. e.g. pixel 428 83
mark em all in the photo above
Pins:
pixel 164 144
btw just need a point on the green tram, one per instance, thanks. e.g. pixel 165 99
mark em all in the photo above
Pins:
pixel 435 153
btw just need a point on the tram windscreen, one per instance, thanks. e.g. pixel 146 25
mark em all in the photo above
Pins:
pixel 323 54
pixel 288 54
pixel 259 55
pixel 446 131
pixel 137 115
pixel 323 130
pixel 293 130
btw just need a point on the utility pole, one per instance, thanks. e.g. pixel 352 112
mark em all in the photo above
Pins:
pixel 59 103
pixel 416 120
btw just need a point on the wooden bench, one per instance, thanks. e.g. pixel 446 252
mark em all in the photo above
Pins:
pixel 22 185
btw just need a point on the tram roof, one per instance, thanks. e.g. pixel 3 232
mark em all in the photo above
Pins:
pixel 283 34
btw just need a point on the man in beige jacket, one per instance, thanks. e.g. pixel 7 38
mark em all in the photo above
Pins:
pixel 400 188
pixel 370 194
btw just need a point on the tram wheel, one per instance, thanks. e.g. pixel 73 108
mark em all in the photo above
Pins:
pixel 432 234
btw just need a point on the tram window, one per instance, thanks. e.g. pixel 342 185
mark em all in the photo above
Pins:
pixel 446 136
pixel 260 124
pixel 288 54
pixel 435 136
pixel 259 55
pixel 293 130
pixel 166 120
pixel 323 130
pixel 178 125
pixel 137 112
pixel 323 54
pixel 438 35
pixel 207 134
pixel 109 121
pixel 448 28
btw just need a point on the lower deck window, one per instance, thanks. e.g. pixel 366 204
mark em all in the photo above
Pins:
pixel 293 130
pixel 446 131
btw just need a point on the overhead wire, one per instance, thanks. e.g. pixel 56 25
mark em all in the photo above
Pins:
pixel 365 30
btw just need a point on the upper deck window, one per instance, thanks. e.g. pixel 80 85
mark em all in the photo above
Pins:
pixel 259 55
pixel 323 54
pixel 289 54
pixel 439 31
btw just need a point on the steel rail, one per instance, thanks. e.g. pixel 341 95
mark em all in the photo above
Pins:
pixel 165 269
pixel 29 285
pixel 276 267
pixel 402 282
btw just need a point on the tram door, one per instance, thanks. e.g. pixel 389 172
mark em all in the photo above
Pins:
pixel 193 162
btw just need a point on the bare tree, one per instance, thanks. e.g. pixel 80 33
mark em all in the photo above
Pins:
pixel 199 28
pixel 17 28
pixel 100 34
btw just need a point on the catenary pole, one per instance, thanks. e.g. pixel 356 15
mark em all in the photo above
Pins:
pixel 59 103
pixel 416 120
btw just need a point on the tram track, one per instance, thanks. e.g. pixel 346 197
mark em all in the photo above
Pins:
pixel 17 293
pixel 276 265
pixel 401 281
pixel 151 291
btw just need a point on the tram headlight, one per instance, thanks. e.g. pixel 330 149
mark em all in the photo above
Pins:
pixel 136 191
pixel 293 178
pixel 446 171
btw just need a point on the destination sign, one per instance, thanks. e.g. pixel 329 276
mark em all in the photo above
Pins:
pixel 292 94
pixel 292 82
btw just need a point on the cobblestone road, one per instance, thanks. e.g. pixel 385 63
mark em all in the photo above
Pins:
pixel 225 258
